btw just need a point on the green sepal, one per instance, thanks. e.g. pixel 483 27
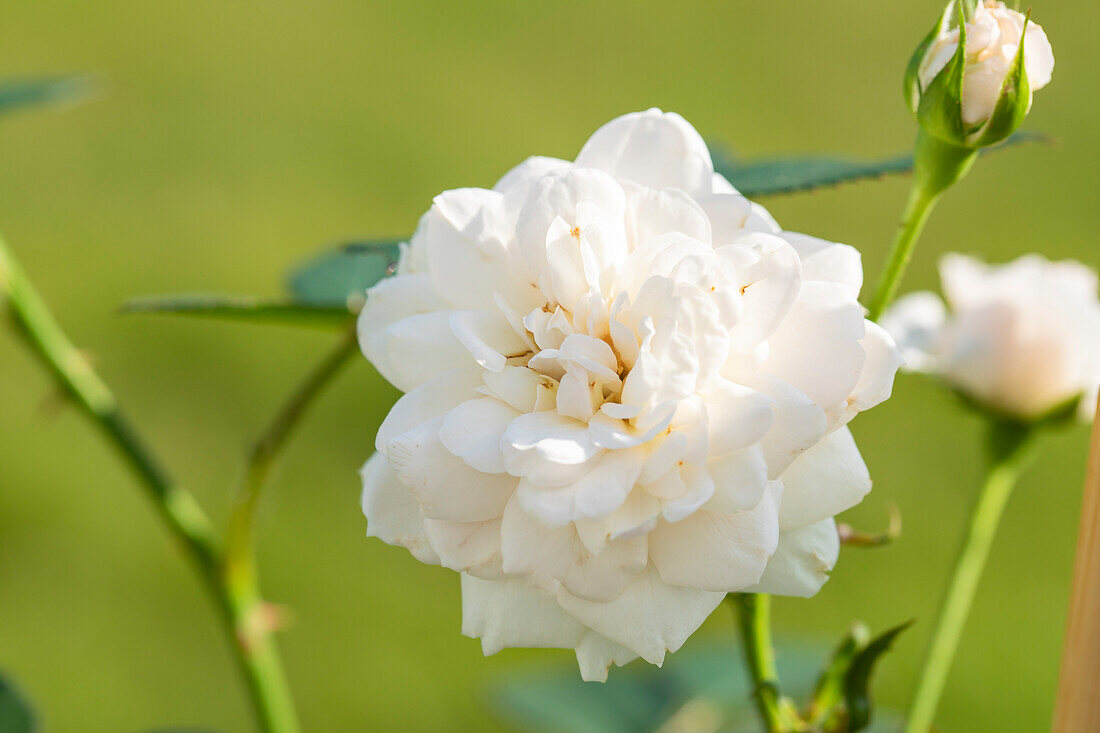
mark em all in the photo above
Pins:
pixel 857 681
pixel 1060 415
pixel 829 689
pixel 911 88
pixel 940 108
pixel 1014 102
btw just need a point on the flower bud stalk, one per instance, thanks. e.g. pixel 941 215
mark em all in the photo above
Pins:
pixel 937 165
pixel 1008 450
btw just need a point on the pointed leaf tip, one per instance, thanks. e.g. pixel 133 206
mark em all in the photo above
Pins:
pixel 857 681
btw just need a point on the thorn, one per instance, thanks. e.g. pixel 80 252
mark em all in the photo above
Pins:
pixel 856 538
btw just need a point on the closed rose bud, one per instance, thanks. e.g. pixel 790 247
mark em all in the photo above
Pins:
pixel 979 94
pixel 1021 339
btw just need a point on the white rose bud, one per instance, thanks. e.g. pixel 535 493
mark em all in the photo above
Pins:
pixel 1021 339
pixel 995 95
pixel 627 393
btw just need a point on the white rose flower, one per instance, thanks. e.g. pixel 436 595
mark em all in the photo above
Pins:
pixel 1022 338
pixel 626 395
pixel 992 40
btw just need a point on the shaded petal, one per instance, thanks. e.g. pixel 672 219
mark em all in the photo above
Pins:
pixel 825 261
pixel 801 564
pixel 656 212
pixel 467 238
pixel 392 513
pixel 739 480
pixel 825 480
pixel 798 424
pixel 649 618
pixel 651 148
pixel 717 551
pixel 737 416
pixel 553 556
pixel 467 547
pixel 596 654
pixel 876 382
pixel 511 613
pixel 431 399
pixel 444 486
pixel 392 300
pixel 472 431
pixel 817 347
pixel 488 336
pixel 422 346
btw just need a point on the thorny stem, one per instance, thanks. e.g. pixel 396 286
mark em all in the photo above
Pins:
pixel 754 620
pixel 229 576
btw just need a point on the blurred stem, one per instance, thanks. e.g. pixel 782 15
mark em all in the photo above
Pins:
pixel 264 452
pixel 937 165
pixel 75 376
pixel 754 619
pixel 244 615
pixel 256 620
pixel 1008 450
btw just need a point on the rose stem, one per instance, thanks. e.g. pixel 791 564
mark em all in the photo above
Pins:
pixel 1008 453
pixel 753 616
pixel 177 508
pixel 937 165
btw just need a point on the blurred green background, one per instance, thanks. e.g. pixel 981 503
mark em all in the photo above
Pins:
pixel 231 140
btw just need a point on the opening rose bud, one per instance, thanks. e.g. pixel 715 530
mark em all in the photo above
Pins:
pixel 971 80
pixel 1022 339
pixel 626 395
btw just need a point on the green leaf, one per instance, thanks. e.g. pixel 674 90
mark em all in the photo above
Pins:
pixel 16 94
pixel 772 176
pixel 857 682
pixel 16 715
pixel 237 308
pixel 768 177
pixel 706 679
pixel 335 277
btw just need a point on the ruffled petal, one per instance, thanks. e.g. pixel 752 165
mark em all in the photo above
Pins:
pixel 824 261
pixel 824 481
pixel 472 431
pixel 467 547
pixel 390 301
pixel 803 561
pixel 443 484
pixel 715 551
pixel 649 618
pixel 467 241
pixel 441 393
pixel 422 346
pixel 510 613
pixel 652 148
pixel 392 513
pixel 596 654
pixel 817 348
